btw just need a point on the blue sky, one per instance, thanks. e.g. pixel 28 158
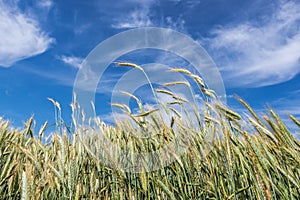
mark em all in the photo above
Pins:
pixel 254 43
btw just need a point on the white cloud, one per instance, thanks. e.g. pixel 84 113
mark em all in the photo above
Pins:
pixel 260 54
pixel 71 60
pixel 140 14
pixel 134 20
pixel 81 28
pixel 45 4
pixel 178 24
pixel 21 36
pixel 189 3
pixel 289 104
pixel 175 1
pixel 138 17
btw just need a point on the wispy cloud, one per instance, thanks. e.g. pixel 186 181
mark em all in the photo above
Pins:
pixel 138 17
pixel 72 61
pixel 144 14
pixel 289 104
pixel 21 35
pixel 256 54
pixel 135 19
pixel 45 4
pixel 188 3
pixel 177 24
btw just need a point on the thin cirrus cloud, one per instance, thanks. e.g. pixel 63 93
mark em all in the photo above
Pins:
pixel 289 104
pixel 254 55
pixel 45 3
pixel 21 36
pixel 140 16
pixel 137 17
pixel 71 60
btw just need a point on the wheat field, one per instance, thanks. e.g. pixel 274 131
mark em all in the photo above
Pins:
pixel 252 156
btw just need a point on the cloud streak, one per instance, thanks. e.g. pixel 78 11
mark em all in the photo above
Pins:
pixel 261 53
pixel 45 4
pixel 21 36
pixel 289 104
pixel 138 17
pixel 135 19
pixel 72 61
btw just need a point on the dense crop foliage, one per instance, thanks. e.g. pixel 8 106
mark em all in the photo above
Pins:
pixel 253 157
